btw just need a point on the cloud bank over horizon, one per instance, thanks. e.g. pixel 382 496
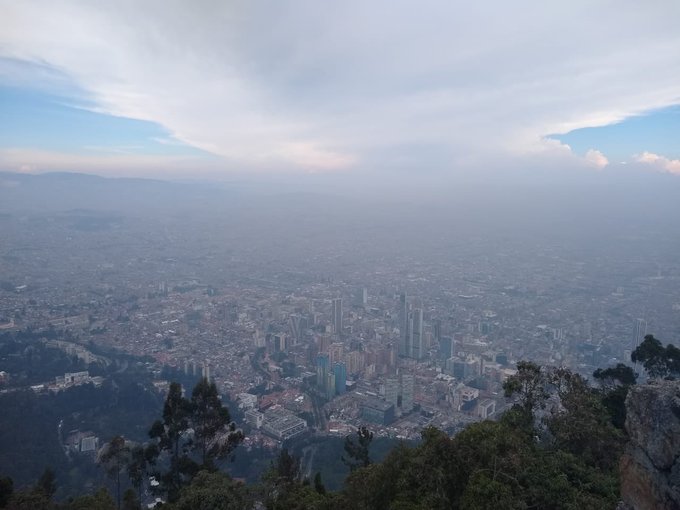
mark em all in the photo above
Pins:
pixel 349 86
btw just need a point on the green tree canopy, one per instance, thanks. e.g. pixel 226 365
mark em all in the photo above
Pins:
pixel 614 385
pixel 621 374
pixel 659 361
pixel 172 440
pixel 100 500
pixel 215 436
pixel 193 434
pixel 357 449
pixel 527 387
pixel 47 483
pixel 213 491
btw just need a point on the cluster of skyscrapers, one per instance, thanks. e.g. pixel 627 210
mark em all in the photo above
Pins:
pixel 404 387
pixel 331 381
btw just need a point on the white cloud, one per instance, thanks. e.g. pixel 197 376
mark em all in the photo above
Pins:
pixel 596 159
pixel 318 86
pixel 662 163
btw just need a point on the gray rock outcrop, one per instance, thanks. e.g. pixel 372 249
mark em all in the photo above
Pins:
pixel 650 466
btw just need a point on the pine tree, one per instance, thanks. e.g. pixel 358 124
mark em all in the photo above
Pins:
pixel 114 458
pixel 357 449
pixel 659 361
pixel 214 434
pixel 47 483
pixel 171 434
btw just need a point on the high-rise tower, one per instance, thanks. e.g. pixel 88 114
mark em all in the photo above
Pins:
pixel 417 342
pixel 322 369
pixel 404 348
pixel 340 373
pixel 337 316
pixel 639 332
pixel 295 327
pixel 407 390
pixel 446 347
pixel 392 390
pixel 361 297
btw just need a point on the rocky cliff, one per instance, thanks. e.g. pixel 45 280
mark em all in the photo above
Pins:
pixel 650 466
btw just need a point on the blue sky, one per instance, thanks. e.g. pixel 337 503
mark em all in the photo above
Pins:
pixel 383 89
pixel 36 118
pixel 656 131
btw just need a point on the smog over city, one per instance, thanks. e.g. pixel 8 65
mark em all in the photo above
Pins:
pixel 344 255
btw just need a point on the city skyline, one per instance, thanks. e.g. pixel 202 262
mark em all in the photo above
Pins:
pixel 289 254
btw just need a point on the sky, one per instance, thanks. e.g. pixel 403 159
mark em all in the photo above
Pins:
pixel 386 89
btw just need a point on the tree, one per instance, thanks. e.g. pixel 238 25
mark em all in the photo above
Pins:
pixel 214 491
pixel 47 483
pixel 659 361
pixel 171 436
pixel 130 500
pixel 6 490
pixel 580 424
pixel 215 436
pixel 138 465
pixel 281 479
pixel 29 500
pixel 614 385
pixel 357 449
pixel 284 488
pixel 528 387
pixel 114 457
pixel 621 374
pixel 484 493
pixel 318 484
pixel 100 500
pixel 287 467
